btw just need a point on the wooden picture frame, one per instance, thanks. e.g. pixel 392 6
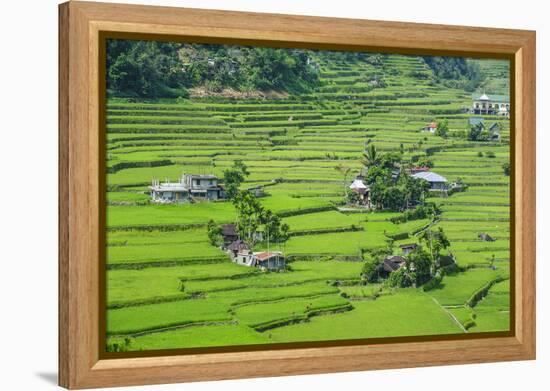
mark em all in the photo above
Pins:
pixel 81 25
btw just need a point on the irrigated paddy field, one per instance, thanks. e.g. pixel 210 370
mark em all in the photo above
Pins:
pixel 168 287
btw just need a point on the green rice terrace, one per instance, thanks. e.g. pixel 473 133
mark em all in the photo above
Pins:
pixel 170 285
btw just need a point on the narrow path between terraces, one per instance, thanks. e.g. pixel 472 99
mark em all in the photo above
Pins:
pixel 450 315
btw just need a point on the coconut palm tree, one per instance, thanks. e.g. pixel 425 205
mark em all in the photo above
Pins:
pixel 371 157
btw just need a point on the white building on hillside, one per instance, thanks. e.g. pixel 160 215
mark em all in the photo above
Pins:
pixel 491 105
pixel 190 187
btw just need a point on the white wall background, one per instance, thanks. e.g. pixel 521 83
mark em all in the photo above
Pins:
pixel 28 207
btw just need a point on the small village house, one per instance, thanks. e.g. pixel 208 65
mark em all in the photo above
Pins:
pixel 493 129
pixel 167 192
pixel 362 190
pixel 229 233
pixel 190 187
pixel 436 181
pixel 408 248
pixel 431 127
pixel 245 258
pixel 491 105
pixel 273 260
pixel 485 237
pixel 391 264
pixel 475 121
pixel 237 247
pixel 258 191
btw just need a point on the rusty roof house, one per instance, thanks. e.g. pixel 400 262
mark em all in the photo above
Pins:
pixel 229 233
pixel 272 260
pixel 391 264
pixel 431 127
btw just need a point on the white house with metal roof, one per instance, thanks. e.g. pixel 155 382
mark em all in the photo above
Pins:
pixel 362 190
pixel 436 181
pixel 491 104
pixel 189 187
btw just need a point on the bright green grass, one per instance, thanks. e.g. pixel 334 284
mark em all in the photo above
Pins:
pixel 465 315
pixel 193 136
pixel 270 293
pixel 258 314
pixel 152 215
pixel 361 291
pixel 345 243
pixel 152 283
pixel 163 252
pixel 125 196
pixel 302 272
pixel 329 219
pixel 408 312
pixel 130 320
pixel 139 237
pixel 200 336
pixel 457 288
pixel 492 314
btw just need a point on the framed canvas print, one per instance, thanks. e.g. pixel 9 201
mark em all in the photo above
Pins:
pixel 248 195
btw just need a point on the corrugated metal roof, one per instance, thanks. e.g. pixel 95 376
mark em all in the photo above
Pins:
pixel 430 176
pixel 491 97
pixel 358 184
pixel 266 255
pixel 169 187
pixel 476 120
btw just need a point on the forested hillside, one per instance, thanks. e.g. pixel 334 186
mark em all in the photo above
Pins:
pixel 158 69
pixel 145 69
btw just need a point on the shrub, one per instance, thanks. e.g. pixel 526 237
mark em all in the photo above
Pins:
pixel 506 169
pixel 369 272
pixel 434 282
pixel 401 278
pixel 118 344
pixel 418 213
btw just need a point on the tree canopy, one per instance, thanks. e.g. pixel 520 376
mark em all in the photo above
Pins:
pixel 151 69
pixel 455 72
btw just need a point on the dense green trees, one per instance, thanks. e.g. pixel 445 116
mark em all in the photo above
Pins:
pixel 424 211
pixel 151 69
pixel 214 232
pixel 253 218
pixel 249 213
pixel 391 187
pixel 233 177
pixel 436 241
pixel 455 72
pixel 370 269
pixel 154 69
pixel 144 69
pixel 442 129
pixel 477 133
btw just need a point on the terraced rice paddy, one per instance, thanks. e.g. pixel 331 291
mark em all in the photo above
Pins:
pixel 168 287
